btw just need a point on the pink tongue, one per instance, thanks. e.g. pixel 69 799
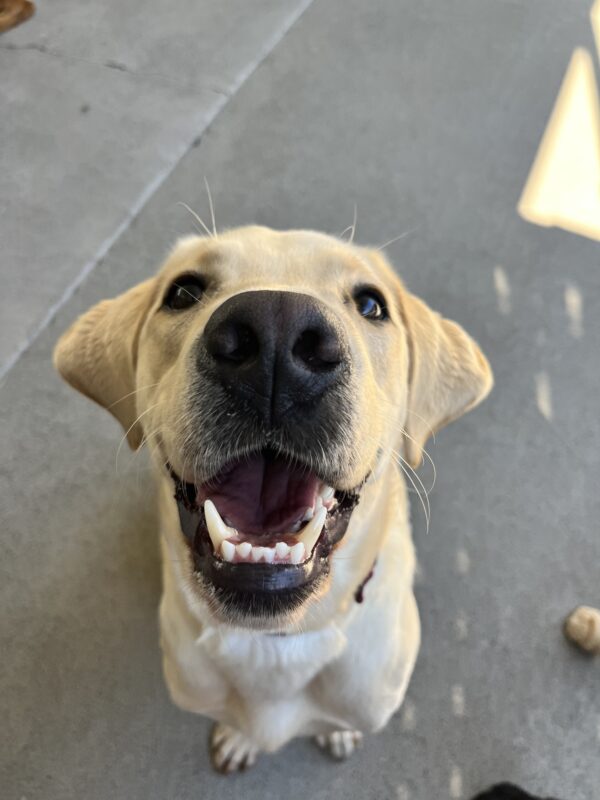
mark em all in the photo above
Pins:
pixel 262 494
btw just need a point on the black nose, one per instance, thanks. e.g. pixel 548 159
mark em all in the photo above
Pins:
pixel 281 351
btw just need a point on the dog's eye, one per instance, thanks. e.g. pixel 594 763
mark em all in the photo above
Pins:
pixel 370 304
pixel 184 292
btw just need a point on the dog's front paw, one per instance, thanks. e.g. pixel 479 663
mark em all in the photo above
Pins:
pixel 230 750
pixel 340 744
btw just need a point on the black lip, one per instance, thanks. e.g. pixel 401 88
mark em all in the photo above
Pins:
pixel 257 587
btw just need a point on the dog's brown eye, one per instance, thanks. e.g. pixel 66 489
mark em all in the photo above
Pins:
pixel 370 304
pixel 184 292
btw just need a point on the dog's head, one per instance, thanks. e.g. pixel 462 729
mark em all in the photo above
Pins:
pixel 273 373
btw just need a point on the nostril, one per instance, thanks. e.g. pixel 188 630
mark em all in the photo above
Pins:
pixel 319 352
pixel 233 342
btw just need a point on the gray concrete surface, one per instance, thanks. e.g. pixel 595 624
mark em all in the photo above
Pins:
pixel 427 116
pixel 100 100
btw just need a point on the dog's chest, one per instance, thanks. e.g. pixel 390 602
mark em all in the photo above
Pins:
pixel 263 666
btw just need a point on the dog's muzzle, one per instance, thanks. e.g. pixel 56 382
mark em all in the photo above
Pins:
pixel 273 401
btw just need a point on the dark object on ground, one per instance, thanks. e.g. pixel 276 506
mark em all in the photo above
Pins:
pixel 14 12
pixel 506 791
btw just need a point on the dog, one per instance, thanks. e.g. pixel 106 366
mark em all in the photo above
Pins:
pixel 508 791
pixel 286 384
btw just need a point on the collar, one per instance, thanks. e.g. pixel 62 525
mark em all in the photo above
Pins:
pixel 359 594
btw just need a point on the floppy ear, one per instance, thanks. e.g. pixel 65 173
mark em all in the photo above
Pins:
pixel 448 374
pixel 98 355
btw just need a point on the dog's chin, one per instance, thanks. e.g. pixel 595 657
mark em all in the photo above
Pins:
pixel 261 533
pixel 272 612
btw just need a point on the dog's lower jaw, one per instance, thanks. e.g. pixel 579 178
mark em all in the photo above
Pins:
pixel 275 616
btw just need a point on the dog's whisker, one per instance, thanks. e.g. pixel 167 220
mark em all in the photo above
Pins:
pixel 350 228
pixel 196 217
pixel 393 405
pixel 138 463
pixel 428 426
pixel 354 221
pixel 187 291
pixel 130 394
pixel 397 454
pixel 128 431
pixel 150 449
pixel 407 473
pixel 408 470
pixel 212 208
pixel 396 239
pixel 404 432
pixel 403 463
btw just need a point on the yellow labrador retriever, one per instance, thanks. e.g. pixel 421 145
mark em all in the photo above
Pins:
pixel 280 378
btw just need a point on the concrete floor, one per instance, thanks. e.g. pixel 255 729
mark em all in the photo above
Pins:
pixel 427 116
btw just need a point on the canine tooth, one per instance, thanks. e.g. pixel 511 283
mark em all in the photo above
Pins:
pixel 217 530
pixel 297 553
pixel 281 550
pixel 318 504
pixel 243 549
pixel 327 494
pixel 269 554
pixel 228 550
pixel 312 530
pixel 257 553
pixel 308 514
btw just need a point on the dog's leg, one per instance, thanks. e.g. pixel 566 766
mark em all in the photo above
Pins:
pixel 340 744
pixel 230 750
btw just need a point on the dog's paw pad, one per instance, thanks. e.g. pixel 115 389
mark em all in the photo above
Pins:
pixel 340 744
pixel 230 750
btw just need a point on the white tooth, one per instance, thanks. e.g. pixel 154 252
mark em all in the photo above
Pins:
pixel 228 550
pixel 243 549
pixel 318 504
pixel 281 550
pixel 308 514
pixel 257 553
pixel 327 493
pixel 269 554
pixel 296 526
pixel 312 530
pixel 217 530
pixel 297 553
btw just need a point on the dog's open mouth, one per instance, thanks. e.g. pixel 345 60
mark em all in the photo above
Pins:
pixel 265 522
